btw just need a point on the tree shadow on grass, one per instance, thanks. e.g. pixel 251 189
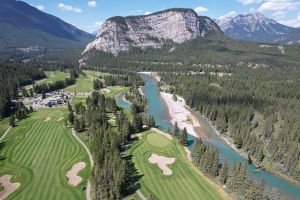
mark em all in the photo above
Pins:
pixel 131 184
pixel 2 158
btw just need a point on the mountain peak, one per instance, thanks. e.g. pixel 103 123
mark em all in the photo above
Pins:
pixel 253 27
pixel 178 25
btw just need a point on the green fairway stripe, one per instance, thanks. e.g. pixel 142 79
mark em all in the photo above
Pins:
pixel 32 140
pixel 18 147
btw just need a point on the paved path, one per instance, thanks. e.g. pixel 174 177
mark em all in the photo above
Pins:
pixel 3 136
pixel 88 189
pixel 140 194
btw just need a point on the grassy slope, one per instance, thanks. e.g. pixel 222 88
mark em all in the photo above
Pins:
pixel 185 183
pixel 38 154
pixel 85 83
pixel 4 125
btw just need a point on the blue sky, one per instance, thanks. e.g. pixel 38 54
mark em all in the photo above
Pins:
pixel 89 14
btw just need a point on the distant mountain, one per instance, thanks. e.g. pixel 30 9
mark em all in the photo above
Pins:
pixel 255 27
pixel 177 25
pixel 22 25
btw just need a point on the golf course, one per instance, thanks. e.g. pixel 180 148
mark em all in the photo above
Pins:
pixel 184 182
pixel 38 153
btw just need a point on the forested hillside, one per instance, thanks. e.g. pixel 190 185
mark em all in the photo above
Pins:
pixel 249 91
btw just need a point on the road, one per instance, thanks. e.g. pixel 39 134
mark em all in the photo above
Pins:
pixel 88 189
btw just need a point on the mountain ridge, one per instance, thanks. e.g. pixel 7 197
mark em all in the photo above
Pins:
pixel 178 25
pixel 23 25
pixel 255 27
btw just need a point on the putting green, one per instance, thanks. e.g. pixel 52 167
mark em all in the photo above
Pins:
pixel 39 153
pixel 157 140
pixel 186 182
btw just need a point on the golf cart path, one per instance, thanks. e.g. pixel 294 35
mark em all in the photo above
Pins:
pixel 88 188
pixel 3 136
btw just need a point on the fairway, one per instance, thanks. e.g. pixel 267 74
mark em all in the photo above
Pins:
pixel 53 77
pixel 185 182
pixel 85 83
pixel 38 154
pixel 4 125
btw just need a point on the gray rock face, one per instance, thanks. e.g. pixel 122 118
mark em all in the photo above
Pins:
pixel 179 25
pixel 253 27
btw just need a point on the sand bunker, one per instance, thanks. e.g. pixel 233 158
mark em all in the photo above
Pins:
pixel 61 118
pixel 47 119
pixel 105 90
pixel 9 187
pixel 162 162
pixel 73 178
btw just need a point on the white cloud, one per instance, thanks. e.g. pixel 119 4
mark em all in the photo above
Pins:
pixel 230 14
pixel 92 4
pixel 292 22
pixel 40 7
pixel 95 27
pixel 247 2
pixel 251 9
pixel 276 5
pixel 148 13
pixel 66 7
pixel 200 9
pixel 279 14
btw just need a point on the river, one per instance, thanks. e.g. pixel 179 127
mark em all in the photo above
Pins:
pixel 158 109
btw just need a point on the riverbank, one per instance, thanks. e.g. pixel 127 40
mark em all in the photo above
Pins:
pixel 153 74
pixel 180 114
pixel 244 154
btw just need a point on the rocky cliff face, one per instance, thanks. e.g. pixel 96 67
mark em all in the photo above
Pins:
pixel 178 25
pixel 254 27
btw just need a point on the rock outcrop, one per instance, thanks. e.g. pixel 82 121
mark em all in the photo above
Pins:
pixel 255 27
pixel 178 25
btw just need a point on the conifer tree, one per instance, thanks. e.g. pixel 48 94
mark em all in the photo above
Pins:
pixel 183 138
pixel 224 173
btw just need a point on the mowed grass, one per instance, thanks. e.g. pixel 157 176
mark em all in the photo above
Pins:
pixel 4 125
pixel 186 182
pixel 38 155
pixel 53 77
pixel 78 98
pixel 85 83
pixel 115 90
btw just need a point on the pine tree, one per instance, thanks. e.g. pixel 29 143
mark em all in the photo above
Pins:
pixel 183 138
pixel 12 121
pixel 215 164
pixel 71 117
pixel 175 131
pixel 223 176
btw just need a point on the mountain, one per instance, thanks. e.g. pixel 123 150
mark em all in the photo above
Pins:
pixel 255 27
pixel 22 25
pixel 177 25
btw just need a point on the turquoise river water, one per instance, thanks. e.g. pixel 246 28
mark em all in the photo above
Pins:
pixel 158 109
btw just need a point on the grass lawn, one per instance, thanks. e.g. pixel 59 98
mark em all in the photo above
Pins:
pixel 4 125
pixel 76 99
pixel 38 155
pixel 115 90
pixel 186 182
pixel 85 83
pixel 53 77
